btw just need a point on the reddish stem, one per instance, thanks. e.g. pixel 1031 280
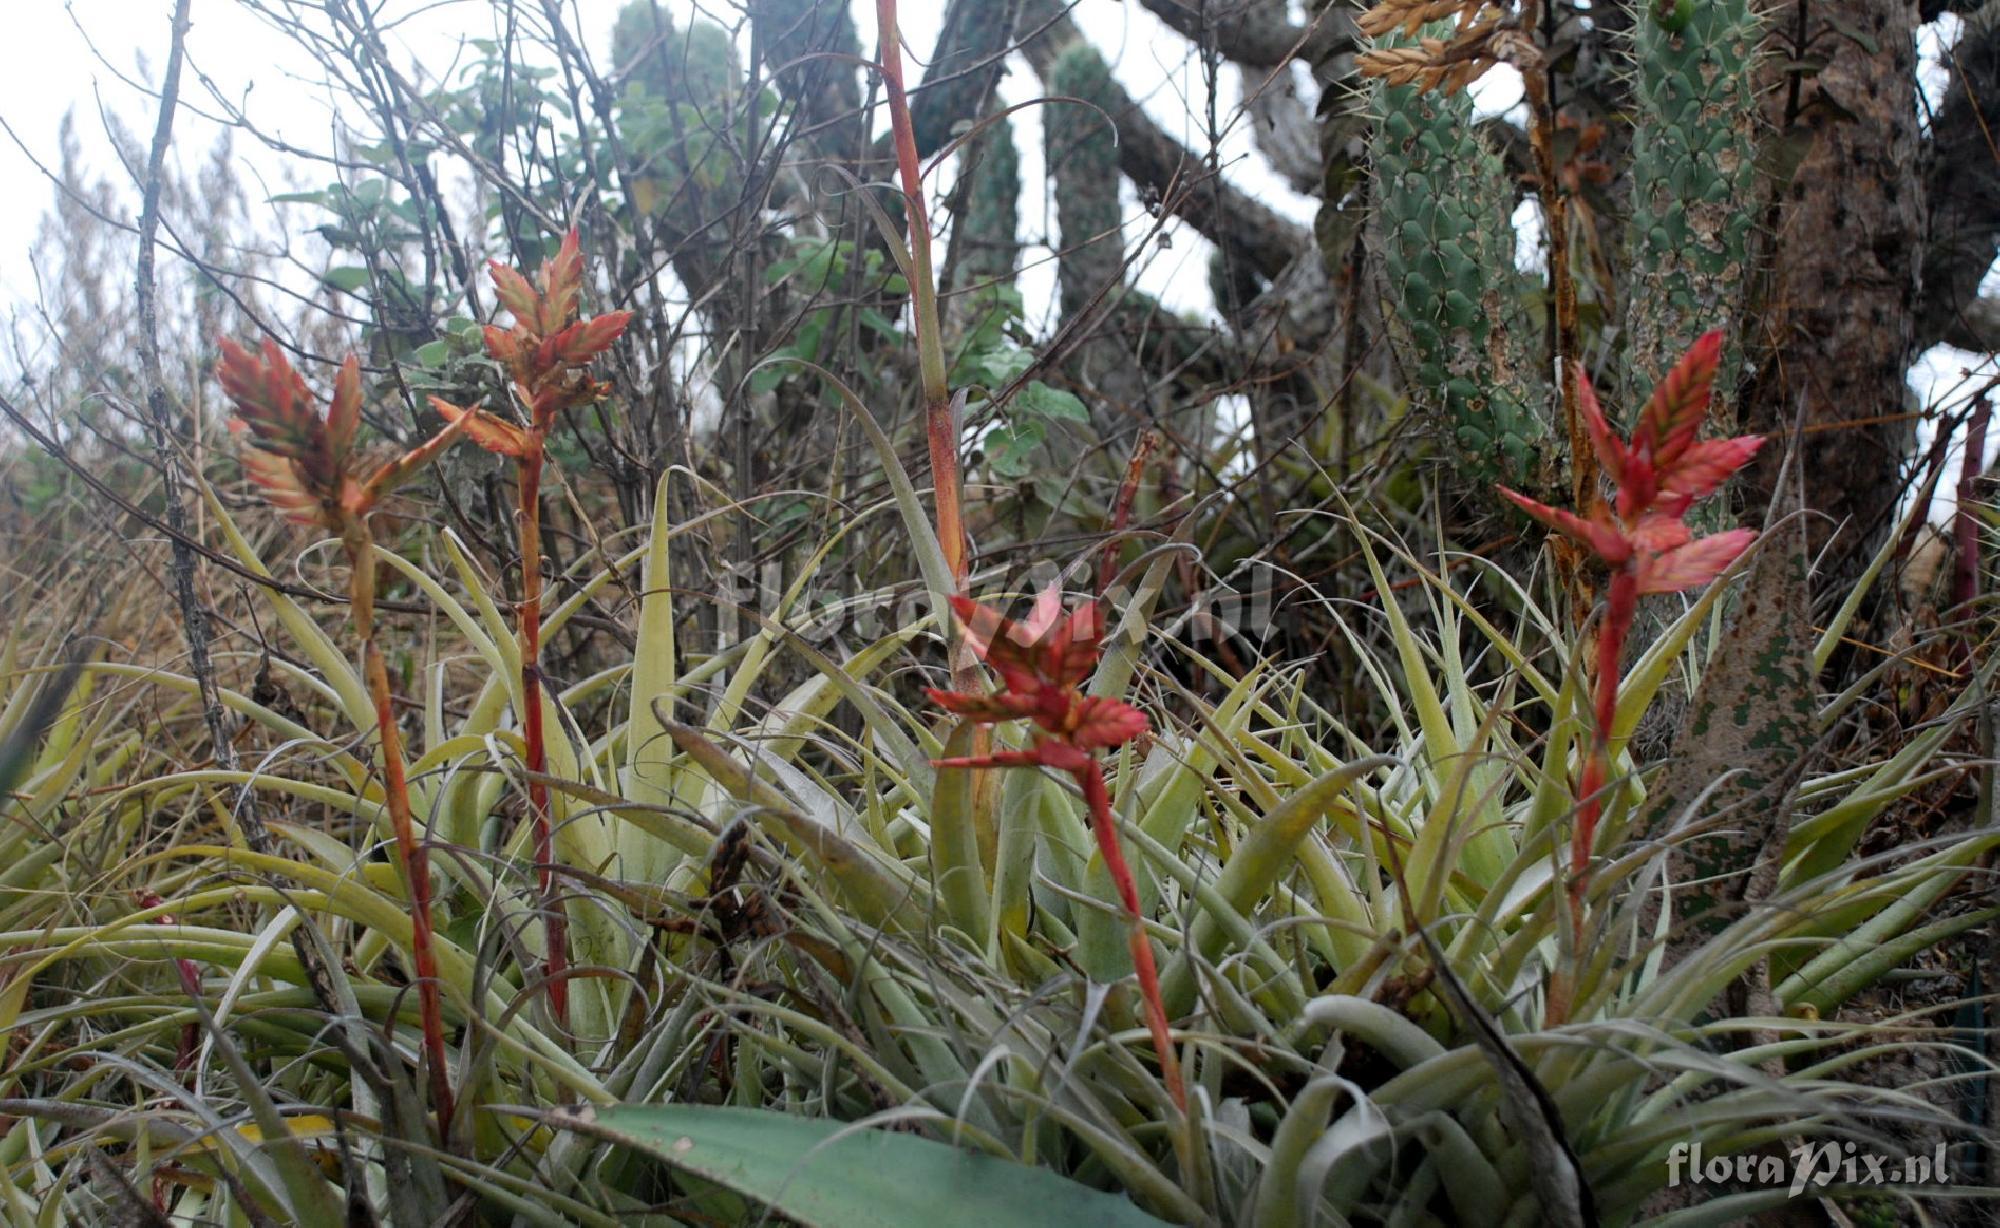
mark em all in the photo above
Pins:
pixel 555 920
pixel 1965 523
pixel 941 434
pixel 1121 510
pixel 1104 824
pixel 416 867
pixel 1622 607
pixel 941 425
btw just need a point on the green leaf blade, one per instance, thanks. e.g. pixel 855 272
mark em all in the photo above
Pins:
pixel 829 1174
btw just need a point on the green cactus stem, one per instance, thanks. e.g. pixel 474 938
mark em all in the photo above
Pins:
pixel 1443 229
pixel 992 226
pixel 1693 185
pixel 1083 159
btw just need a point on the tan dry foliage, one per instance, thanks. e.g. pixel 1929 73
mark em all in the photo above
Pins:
pixel 1483 34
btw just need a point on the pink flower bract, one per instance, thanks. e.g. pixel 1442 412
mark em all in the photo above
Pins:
pixel 1658 475
pixel 1041 661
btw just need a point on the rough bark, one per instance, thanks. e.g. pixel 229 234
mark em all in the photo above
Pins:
pixel 1962 189
pixel 1838 317
pixel 1254 33
pixel 1188 186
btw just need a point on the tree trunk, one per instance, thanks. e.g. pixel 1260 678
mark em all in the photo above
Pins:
pixel 1837 321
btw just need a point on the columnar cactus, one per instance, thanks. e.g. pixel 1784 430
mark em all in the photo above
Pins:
pixel 1443 227
pixel 1083 160
pixel 1444 204
pixel 992 225
pixel 1694 111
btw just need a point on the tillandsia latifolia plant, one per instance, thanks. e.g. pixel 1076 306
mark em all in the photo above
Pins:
pixel 1642 538
pixel 1043 661
pixel 547 356
pixel 309 468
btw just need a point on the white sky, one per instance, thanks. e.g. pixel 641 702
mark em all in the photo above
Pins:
pixel 235 54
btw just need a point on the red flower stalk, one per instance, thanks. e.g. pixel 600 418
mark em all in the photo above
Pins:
pixel 1643 537
pixel 940 419
pixel 189 973
pixel 308 469
pixel 547 354
pixel 190 978
pixel 1041 663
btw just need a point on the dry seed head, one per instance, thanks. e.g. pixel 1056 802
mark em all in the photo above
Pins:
pixel 1425 66
pixel 1411 16
pixel 1481 34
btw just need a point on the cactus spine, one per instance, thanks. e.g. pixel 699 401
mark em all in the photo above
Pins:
pixel 1693 184
pixel 992 217
pixel 1443 228
pixel 1083 159
pixel 698 68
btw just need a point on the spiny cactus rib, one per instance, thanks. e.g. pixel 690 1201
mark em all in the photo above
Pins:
pixel 1444 231
pixel 1693 184
pixel 696 67
pixel 992 218
pixel 1083 159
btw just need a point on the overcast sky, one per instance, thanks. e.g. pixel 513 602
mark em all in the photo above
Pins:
pixel 92 54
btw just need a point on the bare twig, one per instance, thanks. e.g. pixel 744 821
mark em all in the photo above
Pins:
pixel 194 620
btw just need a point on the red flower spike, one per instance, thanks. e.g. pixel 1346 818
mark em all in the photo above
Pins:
pixel 1673 416
pixel 343 416
pixel 580 343
pixel 1098 722
pixel 1644 539
pixel 515 294
pixel 1658 532
pixel 546 354
pixel 1703 468
pixel 1693 564
pixel 1002 706
pixel 307 468
pixel 546 351
pixel 489 432
pixel 1598 533
pixel 278 479
pixel 1042 661
pixel 305 464
pixel 273 404
pixel 561 281
pixel 1658 475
